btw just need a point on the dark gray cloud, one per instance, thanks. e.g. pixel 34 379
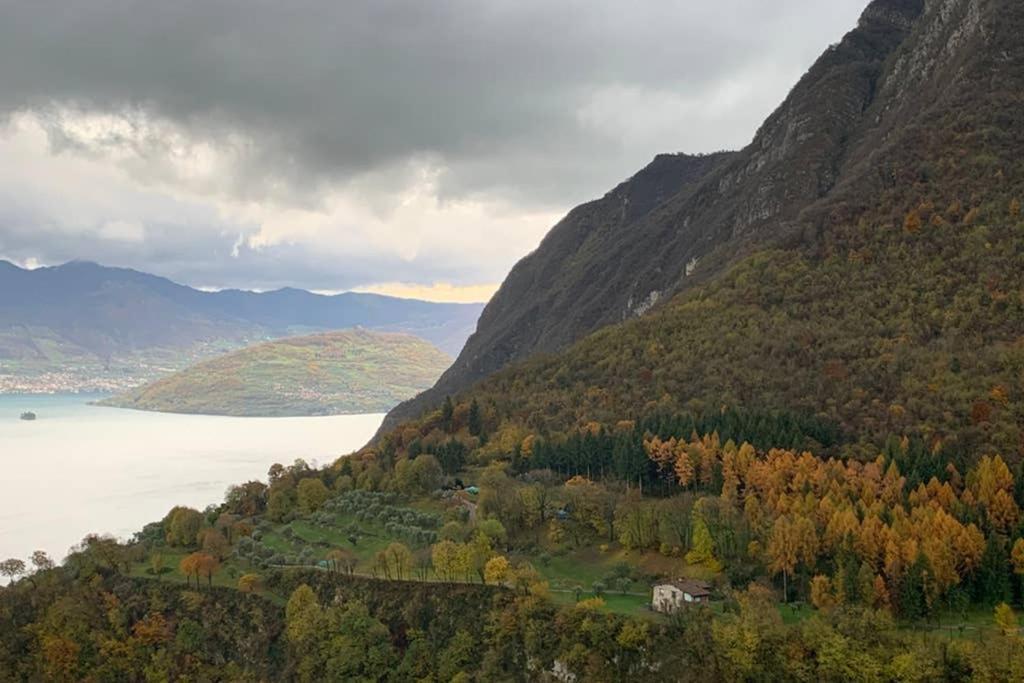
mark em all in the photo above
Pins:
pixel 527 104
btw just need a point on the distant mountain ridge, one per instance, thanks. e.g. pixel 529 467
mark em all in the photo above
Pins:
pixel 352 371
pixel 89 313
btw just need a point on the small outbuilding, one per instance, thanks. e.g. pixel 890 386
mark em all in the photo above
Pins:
pixel 669 597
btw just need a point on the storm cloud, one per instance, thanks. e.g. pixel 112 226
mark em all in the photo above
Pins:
pixel 343 144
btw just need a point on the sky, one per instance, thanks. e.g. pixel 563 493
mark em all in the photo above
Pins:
pixel 399 146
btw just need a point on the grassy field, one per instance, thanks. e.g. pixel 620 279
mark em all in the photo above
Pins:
pixel 324 538
pixel 629 605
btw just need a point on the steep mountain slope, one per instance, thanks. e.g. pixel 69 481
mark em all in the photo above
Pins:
pixel 354 371
pixel 81 323
pixel 860 260
pixel 683 220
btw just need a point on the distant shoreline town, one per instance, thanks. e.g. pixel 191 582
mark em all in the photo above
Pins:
pixel 58 382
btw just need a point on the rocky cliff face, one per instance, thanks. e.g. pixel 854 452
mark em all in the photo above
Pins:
pixel 587 272
pixel 847 131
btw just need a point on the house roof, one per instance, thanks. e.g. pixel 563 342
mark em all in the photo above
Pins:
pixel 692 587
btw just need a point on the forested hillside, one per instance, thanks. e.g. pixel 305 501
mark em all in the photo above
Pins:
pixel 819 570
pixel 916 111
pixel 353 371
pixel 895 307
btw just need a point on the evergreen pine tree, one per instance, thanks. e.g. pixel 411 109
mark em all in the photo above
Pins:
pixel 447 414
pixel 912 603
pixel 476 426
pixel 992 585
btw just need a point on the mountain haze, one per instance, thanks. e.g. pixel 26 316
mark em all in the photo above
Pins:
pixel 132 326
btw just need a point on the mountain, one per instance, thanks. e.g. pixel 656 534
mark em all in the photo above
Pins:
pixel 125 325
pixel 353 371
pixel 859 260
pixel 906 103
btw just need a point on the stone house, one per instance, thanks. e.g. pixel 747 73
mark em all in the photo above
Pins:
pixel 668 597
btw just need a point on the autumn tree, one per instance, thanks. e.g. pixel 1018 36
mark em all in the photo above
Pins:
pixel 663 454
pixel 311 493
pixel 536 499
pixel 912 222
pixel 247 500
pixel 702 545
pixel 208 566
pixel 61 658
pixel 445 558
pixel 156 564
pixel 152 629
pixel 225 524
pixel 637 523
pixel 880 594
pixel 182 525
pixel 102 551
pixel 212 542
pixel 744 642
pixel 822 596
pixel 793 542
pixel 1017 561
pixel 199 564
pixel 240 529
pixel 991 484
pixel 683 469
pixel 496 571
pixel 302 616
pixel 422 563
pixel 456 657
pixel 250 583
pixel 478 552
pixel 425 474
pixel 673 515
pixel 281 503
pixel 494 530
pixel 355 645
pixel 342 560
pixel 399 560
pixel 1006 620
pixel 381 568
pixel 189 566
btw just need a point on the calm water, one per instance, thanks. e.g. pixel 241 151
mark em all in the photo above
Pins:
pixel 80 469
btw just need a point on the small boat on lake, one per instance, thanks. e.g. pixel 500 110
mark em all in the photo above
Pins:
pixel 28 415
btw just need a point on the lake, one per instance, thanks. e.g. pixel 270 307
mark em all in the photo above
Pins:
pixel 79 469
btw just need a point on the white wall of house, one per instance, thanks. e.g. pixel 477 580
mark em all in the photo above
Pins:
pixel 666 598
